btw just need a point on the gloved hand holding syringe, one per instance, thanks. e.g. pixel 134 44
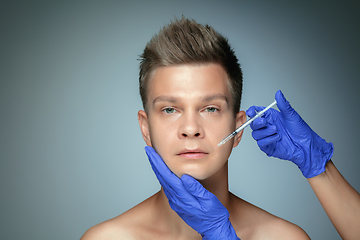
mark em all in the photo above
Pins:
pixel 284 134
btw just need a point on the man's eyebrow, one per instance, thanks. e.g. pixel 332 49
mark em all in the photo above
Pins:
pixel 215 97
pixel 207 98
pixel 165 99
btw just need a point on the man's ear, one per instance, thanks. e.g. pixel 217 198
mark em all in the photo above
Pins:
pixel 240 119
pixel 144 126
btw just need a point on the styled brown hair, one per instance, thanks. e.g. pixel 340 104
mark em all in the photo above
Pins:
pixel 185 41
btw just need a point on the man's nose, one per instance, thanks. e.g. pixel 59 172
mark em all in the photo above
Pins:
pixel 191 127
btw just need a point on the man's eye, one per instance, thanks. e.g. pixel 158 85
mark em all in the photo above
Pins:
pixel 211 109
pixel 168 110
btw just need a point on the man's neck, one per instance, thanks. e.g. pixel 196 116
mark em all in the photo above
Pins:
pixel 216 184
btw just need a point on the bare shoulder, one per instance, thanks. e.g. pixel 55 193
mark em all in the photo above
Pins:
pixel 125 226
pixel 279 228
pixel 108 230
pixel 252 222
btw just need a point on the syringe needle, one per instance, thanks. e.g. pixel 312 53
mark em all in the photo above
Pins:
pixel 247 123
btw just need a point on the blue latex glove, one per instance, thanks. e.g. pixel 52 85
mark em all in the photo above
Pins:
pixel 285 135
pixel 198 207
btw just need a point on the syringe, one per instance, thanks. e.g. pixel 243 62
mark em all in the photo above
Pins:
pixel 231 135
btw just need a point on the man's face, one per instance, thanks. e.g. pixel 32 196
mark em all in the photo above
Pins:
pixel 189 112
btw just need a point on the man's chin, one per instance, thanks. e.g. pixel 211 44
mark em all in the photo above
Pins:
pixel 199 172
pixel 197 175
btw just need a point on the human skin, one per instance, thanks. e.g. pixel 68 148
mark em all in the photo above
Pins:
pixel 340 201
pixel 189 112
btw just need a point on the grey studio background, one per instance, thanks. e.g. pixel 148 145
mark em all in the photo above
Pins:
pixel 71 152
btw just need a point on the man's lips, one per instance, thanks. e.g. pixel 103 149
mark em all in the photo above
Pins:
pixel 192 153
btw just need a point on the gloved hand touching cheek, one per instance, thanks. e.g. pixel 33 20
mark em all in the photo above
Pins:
pixel 286 135
pixel 199 208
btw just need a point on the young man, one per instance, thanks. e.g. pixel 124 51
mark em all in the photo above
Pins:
pixel 191 84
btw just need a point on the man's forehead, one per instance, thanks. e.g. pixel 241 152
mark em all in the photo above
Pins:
pixel 201 83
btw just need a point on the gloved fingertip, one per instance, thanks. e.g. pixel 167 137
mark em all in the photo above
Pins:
pixel 279 97
pixel 279 92
pixel 149 149
pixel 251 111
pixel 154 159
pixel 282 103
